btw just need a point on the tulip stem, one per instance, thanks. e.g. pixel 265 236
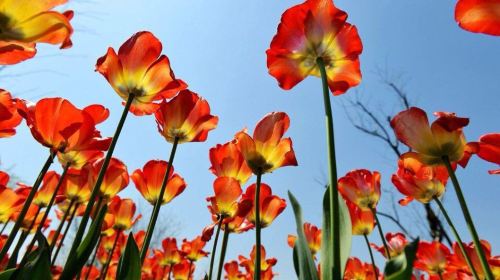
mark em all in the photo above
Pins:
pixel 100 178
pixel 171 267
pixel 3 227
pixel 375 271
pixel 94 256
pixel 332 173
pixel 214 248
pixel 71 217
pixel 158 203
pixel 457 237
pixel 381 232
pixel 225 239
pixel 440 276
pixel 13 258
pixel 27 204
pixel 61 225
pixel 104 270
pixel 468 220
pixel 256 275
pixel 45 216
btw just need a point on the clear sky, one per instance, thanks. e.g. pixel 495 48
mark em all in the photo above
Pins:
pixel 218 48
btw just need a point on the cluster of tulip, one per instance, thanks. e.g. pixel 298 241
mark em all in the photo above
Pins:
pixel 313 38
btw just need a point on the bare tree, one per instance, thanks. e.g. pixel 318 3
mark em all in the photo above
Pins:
pixel 376 123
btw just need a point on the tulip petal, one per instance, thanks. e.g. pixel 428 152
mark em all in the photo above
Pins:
pixel 479 16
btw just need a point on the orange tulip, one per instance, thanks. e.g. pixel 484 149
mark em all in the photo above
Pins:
pixel 141 70
pixel 313 237
pixel 270 205
pixel 444 138
pixel 488 148
pixel 170 254
pixel 237 224
pixel 183 270
pixel 227 161
pixel 148 181
pixel 116 177
pixel 362 221
pixel 93 274
pixel 151 269
pixel 60 126
pixel 361 187
pixel 432 257
pixel 77 184
pixel 227 202
pixel 11 201
pixel 396 243
pixel 265 264
pixel 356 269
pixel 25 23
pixel 233 272
pixel 314 30
pixel 124 211
pixel 186 118
pixel 267 151
pixel 9 118
pixel 32 219
pixel 193 250
pixel 458 263
pixel 49 184
pixel 139 238
pixel 419 181
pixel 479 16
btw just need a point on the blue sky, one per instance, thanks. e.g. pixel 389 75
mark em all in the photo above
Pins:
pixel 218 48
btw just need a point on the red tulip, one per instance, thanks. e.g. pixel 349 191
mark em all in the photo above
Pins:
pixel 396 243
pixel 9 118
pixel 356 269
pixel 314 30
pixel 227 161
pixel 479 16
pixel 432 257
pixel 361 187
pixel 141 70
pixel 270 205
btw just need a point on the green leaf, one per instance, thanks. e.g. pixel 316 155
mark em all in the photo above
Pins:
pixel 401 267
pixel 39 262
pixel 76 262
pixel 296 260
pixel 307 268
pixel 327 237
pixel 6 274
pixel 129 266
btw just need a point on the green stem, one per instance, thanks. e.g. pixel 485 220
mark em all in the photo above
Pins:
pixel 61 224
pixel 190 267
pixel 440 276
pixel 104 270
pixel 457 237
pixel 158 203
pixel 170 271
pixel 94 256
pixel 214 248
pixel 71 217
pixel 381 232
pixel 468 220
pixel 225 239
pixel 45 215
pixel 3 227
pixel 256 275
pixel 371 256
pixel 332 173
pixel 13 258
pixel 100 178
pixel 27 203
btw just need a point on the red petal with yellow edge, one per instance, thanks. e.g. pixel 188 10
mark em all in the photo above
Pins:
pixel 138 53
pixel 227 191
pixel 111 68
pixel 9 117
pixel 479 16
pixel 12 52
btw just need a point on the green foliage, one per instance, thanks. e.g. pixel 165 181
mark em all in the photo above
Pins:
pixel 401 267
pixel 129 267
pixel 76 262
pixel 306 266
pixel 327 238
